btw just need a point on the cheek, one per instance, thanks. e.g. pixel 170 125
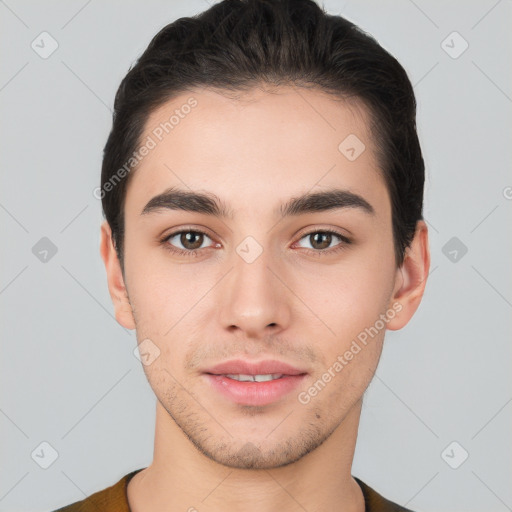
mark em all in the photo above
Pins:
pixel 347 298
pixel 160 293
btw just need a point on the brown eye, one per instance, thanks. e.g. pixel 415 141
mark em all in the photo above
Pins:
pixel 322 241
pixel 189 240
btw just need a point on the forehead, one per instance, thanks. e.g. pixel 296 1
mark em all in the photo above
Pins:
pixel 266 145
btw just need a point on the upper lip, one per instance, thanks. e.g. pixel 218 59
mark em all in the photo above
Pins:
pixel 241 367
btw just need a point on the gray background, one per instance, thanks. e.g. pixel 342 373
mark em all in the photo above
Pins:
pixel 68 373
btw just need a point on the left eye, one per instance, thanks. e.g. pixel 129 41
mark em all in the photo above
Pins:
pixel 321 240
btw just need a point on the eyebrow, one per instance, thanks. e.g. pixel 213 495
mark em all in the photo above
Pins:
pixel 210 204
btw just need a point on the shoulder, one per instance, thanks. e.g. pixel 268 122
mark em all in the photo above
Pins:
pixel 110 499
pixel 375 502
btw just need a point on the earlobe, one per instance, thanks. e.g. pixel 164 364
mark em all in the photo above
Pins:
pixel 411 279
pixel 116 285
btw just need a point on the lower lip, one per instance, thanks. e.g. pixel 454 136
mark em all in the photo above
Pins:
pixel 254 393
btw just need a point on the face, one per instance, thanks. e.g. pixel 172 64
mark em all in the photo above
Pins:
pixel 258 291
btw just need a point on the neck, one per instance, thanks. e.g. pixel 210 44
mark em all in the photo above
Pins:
pixel 182 478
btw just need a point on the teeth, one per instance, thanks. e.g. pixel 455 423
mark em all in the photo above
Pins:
pixel 255 378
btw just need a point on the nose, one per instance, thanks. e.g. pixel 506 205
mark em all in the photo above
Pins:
pixel 253 300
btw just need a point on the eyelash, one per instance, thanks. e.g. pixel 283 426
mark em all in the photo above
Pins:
pixel 194 252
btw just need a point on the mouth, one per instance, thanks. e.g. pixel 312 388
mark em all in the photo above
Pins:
pixel 255 378
pixel 246 383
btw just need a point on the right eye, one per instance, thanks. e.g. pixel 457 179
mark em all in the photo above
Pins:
pixel 191 242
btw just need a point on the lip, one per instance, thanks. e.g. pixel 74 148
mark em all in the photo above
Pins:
pixel 254 393
pixel 239 366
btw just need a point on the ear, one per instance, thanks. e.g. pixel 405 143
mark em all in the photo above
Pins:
pixel 410 279
pixel 115 279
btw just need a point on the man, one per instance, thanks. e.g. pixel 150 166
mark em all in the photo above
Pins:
pixel 262 187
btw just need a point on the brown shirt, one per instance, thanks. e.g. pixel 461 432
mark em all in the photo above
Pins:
pixel 115 499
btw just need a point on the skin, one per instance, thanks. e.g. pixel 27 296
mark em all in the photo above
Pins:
pixel 294 303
